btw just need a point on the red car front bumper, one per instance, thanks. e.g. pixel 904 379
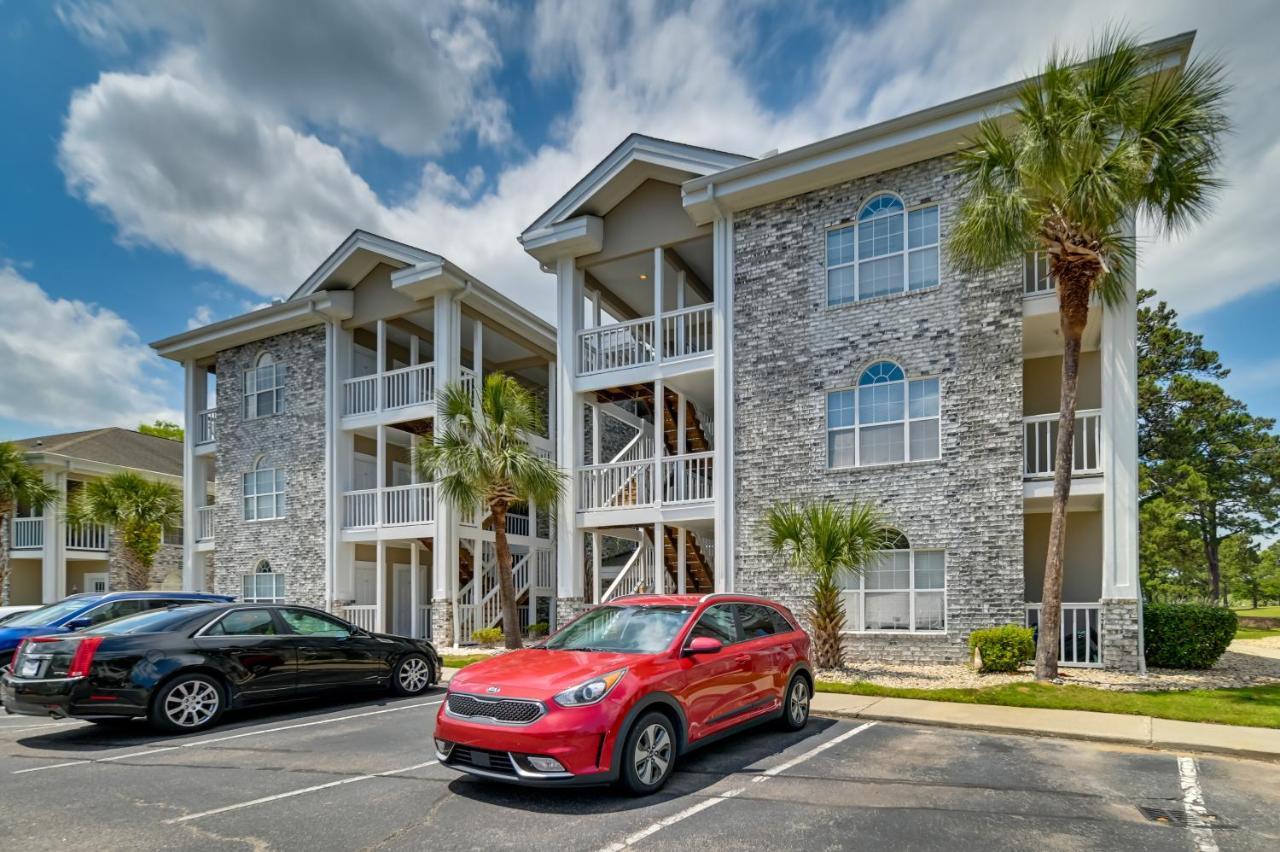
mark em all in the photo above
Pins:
pixel 580 739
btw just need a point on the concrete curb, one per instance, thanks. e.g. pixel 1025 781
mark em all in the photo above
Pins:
pixel 1113 728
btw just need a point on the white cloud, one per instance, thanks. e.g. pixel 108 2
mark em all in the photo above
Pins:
pixel 86 367
pixel 220 169
pixel 203 316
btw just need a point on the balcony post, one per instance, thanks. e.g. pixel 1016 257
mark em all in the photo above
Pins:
pixel 659 558
pixel 568 426
pixel 658 264
pixel 379 393
pixel 477 353
pixel 380 584
pixel 722 404
pixel 597 560
pixel 682 560
pixel 415 617
pixel 380 476
pixel 659 439
pixel 53 568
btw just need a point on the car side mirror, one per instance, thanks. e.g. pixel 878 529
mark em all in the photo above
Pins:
pixel 703 645
pixel 78 623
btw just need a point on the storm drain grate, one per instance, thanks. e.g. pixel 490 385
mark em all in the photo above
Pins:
pixel 1180 818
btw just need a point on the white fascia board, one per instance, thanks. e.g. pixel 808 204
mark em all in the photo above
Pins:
pixel 392 250
pixel 257 325
pixel 659 152
pixel 89 467
pixel 910 138
pixel 573 238
pixel 428 279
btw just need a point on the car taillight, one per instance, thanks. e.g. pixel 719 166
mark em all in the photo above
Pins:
pixel 83 657
pixel 17 652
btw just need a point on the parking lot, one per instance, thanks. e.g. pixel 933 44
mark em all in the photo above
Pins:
pixel 362 776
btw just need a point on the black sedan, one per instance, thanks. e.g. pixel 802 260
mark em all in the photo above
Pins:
pixel 183 667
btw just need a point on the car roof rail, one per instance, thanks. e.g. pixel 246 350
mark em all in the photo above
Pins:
pixel 710 596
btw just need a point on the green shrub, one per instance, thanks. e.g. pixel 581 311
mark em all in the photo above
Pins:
pixel 539 628
pixel 487 636
pixel 1186 636
pixel 1005 648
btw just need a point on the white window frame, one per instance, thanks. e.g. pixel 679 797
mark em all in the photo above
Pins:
pixel 252 389
pixel 858 426
pixel 277 586
pixel 905 253
pixel 279 492
pixel 856 595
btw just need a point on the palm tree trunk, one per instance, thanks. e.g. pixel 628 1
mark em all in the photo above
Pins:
pixel 6 510
pixel 506 584
pixel 1073 300
pixel 826 621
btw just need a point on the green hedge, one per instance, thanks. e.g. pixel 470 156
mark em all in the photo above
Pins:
pixel 487 636
pixel 1186 636
pixel 1005 648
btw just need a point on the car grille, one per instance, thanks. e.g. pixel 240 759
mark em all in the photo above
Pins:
pixel 478 758
pixel 509 711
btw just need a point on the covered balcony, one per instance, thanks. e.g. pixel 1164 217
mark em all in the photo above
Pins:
pixel 1041 396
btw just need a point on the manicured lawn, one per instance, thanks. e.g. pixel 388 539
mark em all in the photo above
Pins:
pixel 1250 633
pixel 1256 706
pixel 457 661
pixel 1261 612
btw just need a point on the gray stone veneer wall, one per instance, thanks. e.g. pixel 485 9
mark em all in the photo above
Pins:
pixel 1120 634
pixel 294 441
pixel 789 349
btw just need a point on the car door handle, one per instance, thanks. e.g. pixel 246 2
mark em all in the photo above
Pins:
pixel 742 658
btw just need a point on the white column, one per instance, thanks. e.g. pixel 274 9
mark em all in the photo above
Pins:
pixel 380 619
pixel 595 433
pixel 444 550
pixel 382 362
pixel 477 351
pixel 415 593
pixel 568 427
pixel 722 341
pixel 413 350
pixel 659 439
pixel 381 473
pixel 659 558
pixel 342 457
pixel 1120 449
pixel 682 559
pixel 334 372
pixel 658 269
pixel 597 560
pixel 52 586
pixel 194 399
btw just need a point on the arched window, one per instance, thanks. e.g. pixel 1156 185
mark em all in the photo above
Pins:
pixel 886 418
pixel 889 250
pixel 263 492
pixel 264 585
pixel 901 589
pixel 263 388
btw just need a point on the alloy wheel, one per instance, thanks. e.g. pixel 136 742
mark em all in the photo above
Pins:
pixel 652 754
pixel 191 704
pixel 798 705
pixel 415 675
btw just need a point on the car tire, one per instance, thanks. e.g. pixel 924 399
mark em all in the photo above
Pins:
pixel 649 754
pixel 188 703
pixel 413 675
pixel 795 704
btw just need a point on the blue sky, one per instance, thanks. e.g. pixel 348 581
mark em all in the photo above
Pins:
pixel 169 164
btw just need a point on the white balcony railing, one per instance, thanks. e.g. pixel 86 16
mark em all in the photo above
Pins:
pixel 517 524
pixel 686 332
pixel 364 616
pixel 408 504
pixel 687 478
pixel 1079 633
pixel 204 523
pixel 204 426
pixel 360 509
pixel 616 347
pixel 27 533
pixel 1040 436
pixel 617 485
pixel 545 569
pixel 408 386
pixel 88 537
pixel 639 574
pixel 360 395
pixel 468 380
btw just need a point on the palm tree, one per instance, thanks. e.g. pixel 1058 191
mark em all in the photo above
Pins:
pixel 1098 143
pixel 825 541
pixel 20 483
pixel 480 456
pixel 139 510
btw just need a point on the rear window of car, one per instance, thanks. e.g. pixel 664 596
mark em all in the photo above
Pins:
pixel 154 621
pixel 46 615
pixel 245 622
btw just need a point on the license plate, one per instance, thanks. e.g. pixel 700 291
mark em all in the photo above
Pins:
pixel 30 668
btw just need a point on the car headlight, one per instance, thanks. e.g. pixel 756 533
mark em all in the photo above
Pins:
pixel 590 692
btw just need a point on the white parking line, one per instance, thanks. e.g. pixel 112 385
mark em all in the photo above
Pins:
pixel 633 839
pixel 291 793
pixel 227 738
pixel 1193 805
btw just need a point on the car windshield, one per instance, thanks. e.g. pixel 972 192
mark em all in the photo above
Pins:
pixel 634 629
pixel 46 615
pixel 155 621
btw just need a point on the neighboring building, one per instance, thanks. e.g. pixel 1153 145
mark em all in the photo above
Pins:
pixel 50 559
pixel 302 417
pixel 735 332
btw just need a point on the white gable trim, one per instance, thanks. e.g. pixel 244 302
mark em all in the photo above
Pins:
pixel 394 252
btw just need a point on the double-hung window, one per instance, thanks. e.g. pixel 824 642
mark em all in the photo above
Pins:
pixel 889 250
pixel 900 589
pixel 263 388
pixel 263 493
pixel 264 585
pixel 886 418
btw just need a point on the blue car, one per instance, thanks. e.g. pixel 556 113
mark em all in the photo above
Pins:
pixel 80 611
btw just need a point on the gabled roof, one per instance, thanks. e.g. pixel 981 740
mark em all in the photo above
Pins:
pixel 357 256
pixel 113 446
pixel 637 159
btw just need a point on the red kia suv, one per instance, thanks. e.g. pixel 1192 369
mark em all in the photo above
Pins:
pixel 626 688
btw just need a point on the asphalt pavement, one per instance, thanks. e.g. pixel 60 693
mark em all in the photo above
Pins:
pixel 361 775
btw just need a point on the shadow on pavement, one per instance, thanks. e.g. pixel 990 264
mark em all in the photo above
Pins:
pixel 694 772
pixel 136 732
